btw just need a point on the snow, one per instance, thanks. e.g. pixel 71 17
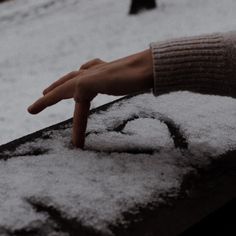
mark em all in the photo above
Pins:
pixel 42 40
pixel 141 134
pixel 94 189
pixel 97 186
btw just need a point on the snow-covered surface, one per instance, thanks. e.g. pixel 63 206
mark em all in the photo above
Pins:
pixel 97 186
pixel 44 39
pixel 208 123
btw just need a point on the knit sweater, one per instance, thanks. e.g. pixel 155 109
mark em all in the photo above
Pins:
pixel 204 64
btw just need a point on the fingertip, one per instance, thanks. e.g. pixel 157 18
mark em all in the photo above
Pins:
pixel 34 109
pixel 29 109
pixel 45 91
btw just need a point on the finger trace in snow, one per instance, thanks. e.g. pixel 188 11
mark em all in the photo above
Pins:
pixel 96 187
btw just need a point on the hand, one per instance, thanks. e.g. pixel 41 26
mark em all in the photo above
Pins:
pixel 120 77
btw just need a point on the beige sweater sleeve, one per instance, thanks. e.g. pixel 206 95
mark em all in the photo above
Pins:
pixel 204 64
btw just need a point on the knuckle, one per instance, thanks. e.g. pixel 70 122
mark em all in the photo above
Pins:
pixel 80 84
pixel 73 73
pixel 90 63
pixel 82 66
pixel 97 60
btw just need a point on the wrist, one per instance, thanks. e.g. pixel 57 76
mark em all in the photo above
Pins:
pixel 143 64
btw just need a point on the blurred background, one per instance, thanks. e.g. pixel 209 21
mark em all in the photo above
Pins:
pixel 42 40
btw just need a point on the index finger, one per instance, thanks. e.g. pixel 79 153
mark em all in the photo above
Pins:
pixel 61 81
pixel 80 118
pixel 64 91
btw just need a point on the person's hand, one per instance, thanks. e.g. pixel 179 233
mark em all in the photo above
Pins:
pixel 120 77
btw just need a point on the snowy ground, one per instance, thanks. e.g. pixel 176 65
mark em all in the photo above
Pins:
pixel 41 40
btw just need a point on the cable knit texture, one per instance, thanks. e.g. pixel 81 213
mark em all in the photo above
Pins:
pixel 205 64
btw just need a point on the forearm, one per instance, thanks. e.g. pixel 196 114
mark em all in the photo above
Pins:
pixel 204 64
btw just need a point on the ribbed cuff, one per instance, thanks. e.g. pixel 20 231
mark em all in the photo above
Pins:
pixel 192 63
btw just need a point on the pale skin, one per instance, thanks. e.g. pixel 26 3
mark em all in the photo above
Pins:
pixel 126 75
